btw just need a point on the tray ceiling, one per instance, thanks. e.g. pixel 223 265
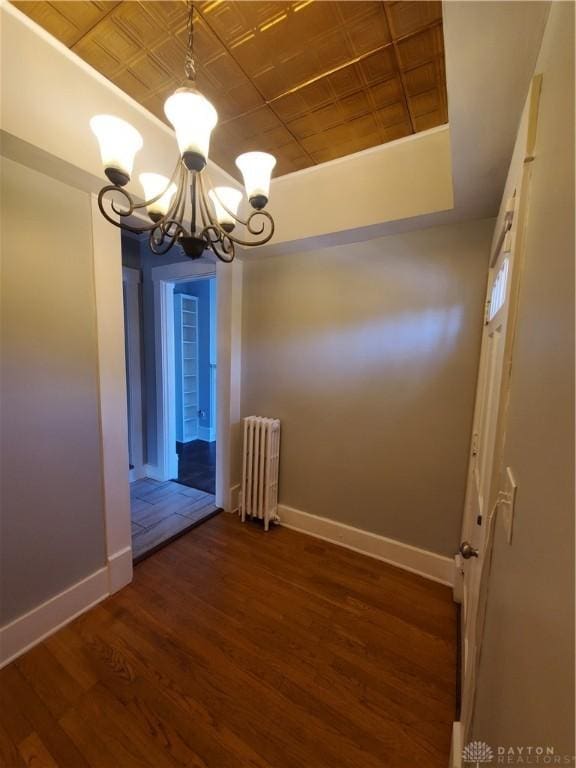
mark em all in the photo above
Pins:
pixel 308 81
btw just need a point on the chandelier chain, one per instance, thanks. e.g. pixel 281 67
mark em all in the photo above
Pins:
pixel 189 63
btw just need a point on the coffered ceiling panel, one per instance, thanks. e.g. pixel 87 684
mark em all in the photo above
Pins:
pixel 309 81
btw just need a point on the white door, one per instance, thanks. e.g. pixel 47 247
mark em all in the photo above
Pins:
pixel 479 504
pixel 484 472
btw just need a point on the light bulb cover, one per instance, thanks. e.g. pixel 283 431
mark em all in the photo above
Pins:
pixel 225 198
pixel 153 185
pixel 193 118
pixel 256 169
pixel 119 141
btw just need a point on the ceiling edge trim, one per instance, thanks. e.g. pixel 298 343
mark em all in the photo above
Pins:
pixel 362 153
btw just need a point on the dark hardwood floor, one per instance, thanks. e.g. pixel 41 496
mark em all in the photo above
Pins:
pixel 197 465
pixel 234 647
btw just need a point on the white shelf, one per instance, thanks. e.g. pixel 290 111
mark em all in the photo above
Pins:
pixel 186 343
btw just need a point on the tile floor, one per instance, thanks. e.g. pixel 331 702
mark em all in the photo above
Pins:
pixel 162 511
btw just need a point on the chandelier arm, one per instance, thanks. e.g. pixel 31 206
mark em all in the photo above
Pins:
pixel 181 208
pixel 146 203
pixel 118 212
pixel 207 214
pixel 255 232
pixel 220 243
pixel 248 223
pixel 205 220
pixel 167 229
pixel 172 210
pixel 165 222
pixel 132 206
pixel 193 194
pixel 167 239
pixel 176 210
pixel 235 216
pixel 216 238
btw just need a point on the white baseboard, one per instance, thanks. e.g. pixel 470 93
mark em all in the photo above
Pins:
pixel 207 433
pixel 28 630
pixel 456 746
pixel 419 561
pixel 119 570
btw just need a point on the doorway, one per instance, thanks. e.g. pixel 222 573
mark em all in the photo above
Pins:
pixel 195 382
pixel 178 492
pixel 171 360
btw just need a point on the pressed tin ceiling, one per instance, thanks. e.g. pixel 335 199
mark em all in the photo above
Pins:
pixel 308 81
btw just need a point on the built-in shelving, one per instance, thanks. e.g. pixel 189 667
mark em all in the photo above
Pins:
pixel 186 354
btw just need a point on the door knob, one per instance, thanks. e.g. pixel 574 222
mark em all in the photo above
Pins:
pixel 467 550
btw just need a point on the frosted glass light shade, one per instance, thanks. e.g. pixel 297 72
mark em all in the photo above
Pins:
pixel 229 197
pixel 119 142
pixel 153 185
pixel 193 118
pixel 256 169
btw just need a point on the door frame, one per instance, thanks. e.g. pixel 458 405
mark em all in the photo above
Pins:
pixel 131 279
pixel 228 319
pixel 107 254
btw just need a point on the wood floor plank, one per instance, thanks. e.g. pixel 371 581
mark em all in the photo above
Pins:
pixel 69 651
pixel 228 681
pixel 35 754
pixel 51 681
pixel 14 718
pixel 10 757
pixel 269 606
pixel 400 696
pixel 98 749
pixel 234 647
pixel 24 699
pixel 284 674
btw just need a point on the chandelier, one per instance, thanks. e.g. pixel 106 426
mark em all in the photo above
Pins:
pixel 186 209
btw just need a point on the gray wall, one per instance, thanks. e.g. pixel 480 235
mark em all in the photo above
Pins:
pixel 368 353
pixel 52 514
pixel 526 680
